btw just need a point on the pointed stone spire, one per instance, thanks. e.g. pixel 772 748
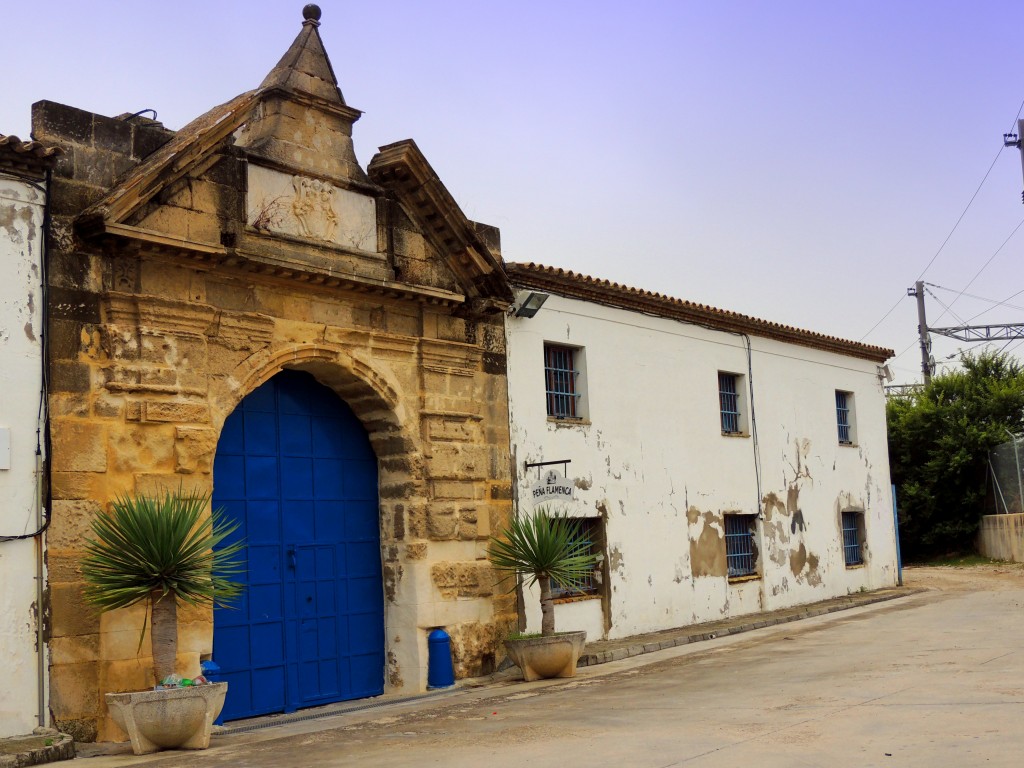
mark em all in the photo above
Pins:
pixel 302 122
pixel 305 67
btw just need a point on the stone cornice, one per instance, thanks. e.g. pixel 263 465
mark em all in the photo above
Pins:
pixel 403 170
pixel 578 286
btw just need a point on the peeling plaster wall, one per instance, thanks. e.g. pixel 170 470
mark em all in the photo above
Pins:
pixel 651 456
pixel 21 218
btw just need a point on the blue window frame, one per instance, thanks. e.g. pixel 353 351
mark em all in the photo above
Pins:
pixel 843 417
pixel 561 382
pixel 588 540
pixel 852 553
pixel 739 545
pixel 729 401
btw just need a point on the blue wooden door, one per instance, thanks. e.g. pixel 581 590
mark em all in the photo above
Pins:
pixel 295 469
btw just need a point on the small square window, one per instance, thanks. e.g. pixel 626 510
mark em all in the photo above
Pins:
pixel 845 418
pixel 732 403
pixel 589 540
pixel 740 550
pixel 563 385
pixel 853 537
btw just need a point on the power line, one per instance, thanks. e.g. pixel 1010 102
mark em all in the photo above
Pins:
pixel 955 226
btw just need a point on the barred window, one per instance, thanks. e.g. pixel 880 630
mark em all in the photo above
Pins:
pixel 852 550
pixel 729 402
pixel 589 540
pixel 844 418
pixel 561 381
pixel 740 555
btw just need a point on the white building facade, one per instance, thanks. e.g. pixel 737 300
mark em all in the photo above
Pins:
pixel 723 465
pixel 22 647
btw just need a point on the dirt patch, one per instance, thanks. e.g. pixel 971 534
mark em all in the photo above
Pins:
pixel 967 578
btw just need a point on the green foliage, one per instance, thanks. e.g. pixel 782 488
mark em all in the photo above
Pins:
pixel 544 544
pixel 147 545
pixel 939 439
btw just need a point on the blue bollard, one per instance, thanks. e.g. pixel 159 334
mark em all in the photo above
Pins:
pixel 440 673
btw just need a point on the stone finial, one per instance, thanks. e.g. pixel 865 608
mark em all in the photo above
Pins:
pixel 311 13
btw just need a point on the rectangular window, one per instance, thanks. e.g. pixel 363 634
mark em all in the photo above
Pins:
pixel 731 403
pixel 740 554
pixel 561 382
pixel 852 522
pixel 589 539
pixel 844 417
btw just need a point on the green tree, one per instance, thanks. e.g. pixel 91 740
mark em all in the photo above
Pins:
pixel 939 439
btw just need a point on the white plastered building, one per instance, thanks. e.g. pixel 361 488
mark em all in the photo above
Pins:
pixel 23 167
pixel 724 465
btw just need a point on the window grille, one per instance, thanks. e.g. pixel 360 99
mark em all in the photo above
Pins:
pixel 728 397
pixel 739 545
pixel 851 539
pixel 560 382
pixel 587 541
pixel 843 417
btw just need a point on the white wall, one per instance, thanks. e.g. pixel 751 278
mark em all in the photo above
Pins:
pixel 21 219
pixel 651 458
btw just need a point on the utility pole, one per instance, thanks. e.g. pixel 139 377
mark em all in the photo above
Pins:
pixel 922 331
pixel 1014 140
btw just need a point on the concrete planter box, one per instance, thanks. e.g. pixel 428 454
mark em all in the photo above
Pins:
pixel 176 718
pixel 543 657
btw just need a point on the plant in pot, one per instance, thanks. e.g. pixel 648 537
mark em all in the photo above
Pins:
pixel 542 547
pixel 159 551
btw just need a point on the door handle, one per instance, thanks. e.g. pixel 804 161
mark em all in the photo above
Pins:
pixel 291 557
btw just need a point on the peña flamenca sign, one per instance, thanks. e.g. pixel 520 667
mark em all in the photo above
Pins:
pixel 553 486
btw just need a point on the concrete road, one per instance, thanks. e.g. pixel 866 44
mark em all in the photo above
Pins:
pixel 936 679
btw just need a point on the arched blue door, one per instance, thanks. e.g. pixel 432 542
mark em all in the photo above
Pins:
pixel 295 469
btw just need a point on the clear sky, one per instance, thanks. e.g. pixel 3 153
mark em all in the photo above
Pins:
pixel 802 162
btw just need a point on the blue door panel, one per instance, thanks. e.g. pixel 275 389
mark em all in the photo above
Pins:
pixel 295 469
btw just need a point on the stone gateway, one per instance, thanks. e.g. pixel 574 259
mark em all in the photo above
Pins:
pixel 239 307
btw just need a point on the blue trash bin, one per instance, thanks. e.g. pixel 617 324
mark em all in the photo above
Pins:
pixel 211 671
pixel 440 672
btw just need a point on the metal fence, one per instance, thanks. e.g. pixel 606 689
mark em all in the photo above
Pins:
pixel 1006 481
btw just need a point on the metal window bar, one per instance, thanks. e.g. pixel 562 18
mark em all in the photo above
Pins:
pixel 843 417
pixel 729 400
pixel 583 544
pixel 851 539
pixel 739 545
pixel 560 382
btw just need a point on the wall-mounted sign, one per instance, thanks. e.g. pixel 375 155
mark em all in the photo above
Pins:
pixel 552 486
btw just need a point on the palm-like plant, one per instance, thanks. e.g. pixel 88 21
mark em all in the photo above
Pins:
pixel 160 550
pixel 543 546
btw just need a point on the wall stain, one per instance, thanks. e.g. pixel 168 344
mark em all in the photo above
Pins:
pixel 707 551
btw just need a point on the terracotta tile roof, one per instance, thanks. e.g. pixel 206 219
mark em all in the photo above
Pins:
pixel 34 149
pixel 564 282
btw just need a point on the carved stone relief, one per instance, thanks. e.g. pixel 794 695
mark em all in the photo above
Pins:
pixel 311 208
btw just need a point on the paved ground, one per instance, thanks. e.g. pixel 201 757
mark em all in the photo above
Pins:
pixel 934 679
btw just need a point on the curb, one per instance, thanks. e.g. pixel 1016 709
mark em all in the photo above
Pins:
pixel 33 750
pixel 711 630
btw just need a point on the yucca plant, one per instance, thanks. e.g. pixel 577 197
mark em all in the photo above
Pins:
pixel 543 546
pixel 159 550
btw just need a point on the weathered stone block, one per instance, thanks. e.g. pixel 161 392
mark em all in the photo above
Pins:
pixel 71 523
pixel 75 689
pixel 177 412
pixel 194 448
pixel 70 615
pixel 79 446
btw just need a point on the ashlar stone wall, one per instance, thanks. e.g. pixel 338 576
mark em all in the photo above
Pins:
pixel 154 341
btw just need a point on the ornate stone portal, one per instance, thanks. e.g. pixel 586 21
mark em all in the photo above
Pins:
pixel 188 268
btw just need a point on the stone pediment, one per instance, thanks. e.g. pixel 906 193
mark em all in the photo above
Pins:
pixel 270 180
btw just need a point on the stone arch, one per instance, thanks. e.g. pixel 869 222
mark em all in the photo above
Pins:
pixel 377 401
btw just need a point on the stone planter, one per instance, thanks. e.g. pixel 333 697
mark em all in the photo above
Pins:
pixel 176 718
pixel 542 657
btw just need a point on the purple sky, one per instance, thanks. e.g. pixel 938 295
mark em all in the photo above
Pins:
pixel 797 161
